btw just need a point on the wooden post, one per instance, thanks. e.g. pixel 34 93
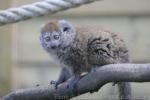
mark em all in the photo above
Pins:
pixel 5 54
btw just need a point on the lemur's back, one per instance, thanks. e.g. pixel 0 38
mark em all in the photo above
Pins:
pixel 96 47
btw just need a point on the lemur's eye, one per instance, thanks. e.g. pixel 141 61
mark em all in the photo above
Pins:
pixel 66 29
pixel 56 37
pixel 47 38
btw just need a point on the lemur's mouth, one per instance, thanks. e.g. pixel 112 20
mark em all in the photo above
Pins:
pixel 55 47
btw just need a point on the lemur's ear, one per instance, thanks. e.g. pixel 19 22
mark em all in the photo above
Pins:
pixel 64 23
pixel 65 29
pixel 66 26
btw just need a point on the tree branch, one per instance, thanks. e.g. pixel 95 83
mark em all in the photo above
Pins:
pixel 91 82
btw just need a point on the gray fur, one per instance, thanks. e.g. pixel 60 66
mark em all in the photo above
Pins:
pixel 84 48
pixel 81 49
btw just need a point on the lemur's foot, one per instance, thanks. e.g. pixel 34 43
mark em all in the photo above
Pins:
pixel 55 83
pixel 94 69
pixel 72 83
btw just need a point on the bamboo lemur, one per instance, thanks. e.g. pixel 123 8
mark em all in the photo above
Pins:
pixel 81 49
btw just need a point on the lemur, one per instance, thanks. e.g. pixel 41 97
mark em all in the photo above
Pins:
pixel 81 49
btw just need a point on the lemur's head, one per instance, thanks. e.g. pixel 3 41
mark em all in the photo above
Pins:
pixel 56 35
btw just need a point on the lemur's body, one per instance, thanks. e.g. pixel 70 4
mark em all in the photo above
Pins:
pixel 91 48
pixel 81 49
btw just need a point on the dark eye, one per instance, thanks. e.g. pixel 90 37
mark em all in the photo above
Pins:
pixel 66 29
pixel 47 38
pixel 56 37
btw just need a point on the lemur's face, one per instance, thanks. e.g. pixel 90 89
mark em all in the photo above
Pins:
pixel 56 35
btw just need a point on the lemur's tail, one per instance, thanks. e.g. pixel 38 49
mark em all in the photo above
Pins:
pixel 124 91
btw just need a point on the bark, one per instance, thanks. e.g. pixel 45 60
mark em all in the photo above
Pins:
pixel 90 83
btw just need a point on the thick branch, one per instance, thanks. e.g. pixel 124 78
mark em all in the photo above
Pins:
pixel 91 82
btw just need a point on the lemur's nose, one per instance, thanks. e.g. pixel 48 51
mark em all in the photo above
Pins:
pixel 53 47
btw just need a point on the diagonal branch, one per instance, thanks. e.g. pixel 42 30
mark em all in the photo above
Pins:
pixel 91 82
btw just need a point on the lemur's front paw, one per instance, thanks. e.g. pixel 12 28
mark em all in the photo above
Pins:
pixel 55 83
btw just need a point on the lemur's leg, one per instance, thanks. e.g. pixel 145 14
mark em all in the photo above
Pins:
pixel 64 76
pixel 125 91
pixel 72 82
pixel 94 68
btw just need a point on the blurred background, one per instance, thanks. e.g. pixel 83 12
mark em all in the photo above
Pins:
pixel 23 62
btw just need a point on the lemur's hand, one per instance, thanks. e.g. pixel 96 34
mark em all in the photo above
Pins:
pixel 55 83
